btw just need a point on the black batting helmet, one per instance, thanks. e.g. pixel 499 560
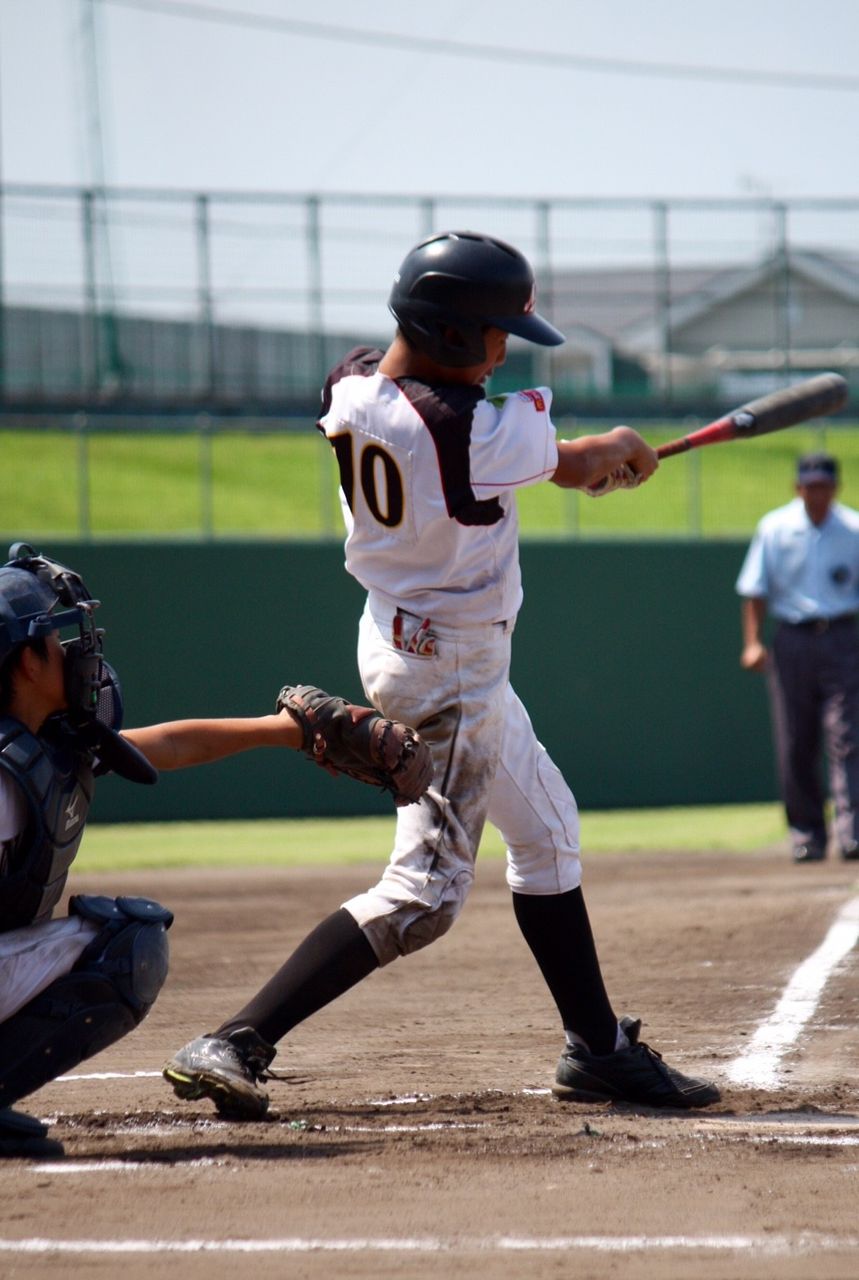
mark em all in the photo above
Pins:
pixel 454 285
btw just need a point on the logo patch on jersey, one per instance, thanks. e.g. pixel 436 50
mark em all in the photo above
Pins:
pixel 536 399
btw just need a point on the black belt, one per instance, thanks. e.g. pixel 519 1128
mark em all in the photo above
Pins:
pixel 819 625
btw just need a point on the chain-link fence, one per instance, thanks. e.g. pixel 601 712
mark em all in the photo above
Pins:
pixel 229 300
pixel 161 352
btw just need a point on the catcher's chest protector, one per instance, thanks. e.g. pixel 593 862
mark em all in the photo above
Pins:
pixel 58 785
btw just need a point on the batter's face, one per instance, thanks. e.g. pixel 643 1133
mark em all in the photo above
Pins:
pixel 474 375
pixel 496 353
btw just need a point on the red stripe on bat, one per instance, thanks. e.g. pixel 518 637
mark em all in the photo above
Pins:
pixel 713 433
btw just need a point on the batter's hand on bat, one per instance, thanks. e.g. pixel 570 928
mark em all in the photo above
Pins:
pixel 638 463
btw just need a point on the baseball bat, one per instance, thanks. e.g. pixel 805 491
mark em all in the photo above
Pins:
pixel 827 393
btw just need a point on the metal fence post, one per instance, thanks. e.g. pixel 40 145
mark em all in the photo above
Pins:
pixel 315 308
pixel 783 294
pixel 91 343
pixel 543 211
pixel 207 497
pixel 427 217
pixel 316 321
pixel 696 512
pixel 572 512
pixel 2 276
pixel 662 284
pixel 81 427
pixel 2 301
pixel 204 295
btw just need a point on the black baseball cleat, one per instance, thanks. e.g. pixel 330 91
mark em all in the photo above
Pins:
pixel 226 1069
pixel 636 1074
pixel 850 852
pixel 810 852
pixel 24 1136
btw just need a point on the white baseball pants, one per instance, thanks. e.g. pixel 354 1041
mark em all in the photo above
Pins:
pixel 488 764
pixel 33 957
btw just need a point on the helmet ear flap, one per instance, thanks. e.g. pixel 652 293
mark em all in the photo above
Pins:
pixel 455 342
pixel 466 337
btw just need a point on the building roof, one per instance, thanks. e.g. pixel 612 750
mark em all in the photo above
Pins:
pixel 627 305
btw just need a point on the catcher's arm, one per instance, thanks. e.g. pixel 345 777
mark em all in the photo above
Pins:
pixel 180 744
pixel 345 738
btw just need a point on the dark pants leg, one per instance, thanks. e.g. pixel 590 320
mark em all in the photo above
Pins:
pixel 839 680
pixel 558 931
pixel 797 726
pixel 331 959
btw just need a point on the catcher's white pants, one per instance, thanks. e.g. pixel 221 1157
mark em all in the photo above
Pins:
pixel 35 956
pixel 488 764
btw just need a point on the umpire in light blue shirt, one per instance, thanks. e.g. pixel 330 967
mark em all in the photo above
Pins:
pixel 803 569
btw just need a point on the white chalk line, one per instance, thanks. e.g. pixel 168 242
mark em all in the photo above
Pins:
pixel 797 1139
pixel 805 1242
pixel 781 1122
pixel 107 1075
pixel 64 1167
pixel 406 1100
pixel 758 1064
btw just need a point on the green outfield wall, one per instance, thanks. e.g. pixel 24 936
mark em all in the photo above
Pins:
pixel 626 656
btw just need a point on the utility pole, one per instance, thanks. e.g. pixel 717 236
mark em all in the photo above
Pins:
pixel 2 265
pixel 109 362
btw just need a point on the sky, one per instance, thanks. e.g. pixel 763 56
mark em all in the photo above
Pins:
pixel 215 95
pixel 565 99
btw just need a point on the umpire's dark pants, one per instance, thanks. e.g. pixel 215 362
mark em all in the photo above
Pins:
pixel 814 693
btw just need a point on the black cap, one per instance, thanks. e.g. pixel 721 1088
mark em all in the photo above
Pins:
pixel 817 468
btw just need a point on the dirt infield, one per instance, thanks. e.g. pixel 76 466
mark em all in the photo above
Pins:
pixel 416 1136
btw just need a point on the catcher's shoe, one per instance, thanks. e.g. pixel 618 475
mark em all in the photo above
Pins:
pixel 226 1069
pixel 636 1074
pixel 25 1136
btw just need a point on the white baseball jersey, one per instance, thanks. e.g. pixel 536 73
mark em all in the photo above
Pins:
pixel 428 480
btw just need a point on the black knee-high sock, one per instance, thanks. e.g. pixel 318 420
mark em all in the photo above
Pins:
pixel 332 958
pixel 558 931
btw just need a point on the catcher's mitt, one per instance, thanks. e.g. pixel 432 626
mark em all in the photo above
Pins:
pixel 358 741
pixel 623 477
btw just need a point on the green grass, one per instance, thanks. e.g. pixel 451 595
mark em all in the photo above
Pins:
pixel 283 484
pixel 317 841
pixel 156 485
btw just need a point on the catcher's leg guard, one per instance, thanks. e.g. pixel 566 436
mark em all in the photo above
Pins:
pixel 131 948
pixel 110 990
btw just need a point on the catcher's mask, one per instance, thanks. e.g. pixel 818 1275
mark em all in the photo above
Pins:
pixel 453 286
pixel 37 596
